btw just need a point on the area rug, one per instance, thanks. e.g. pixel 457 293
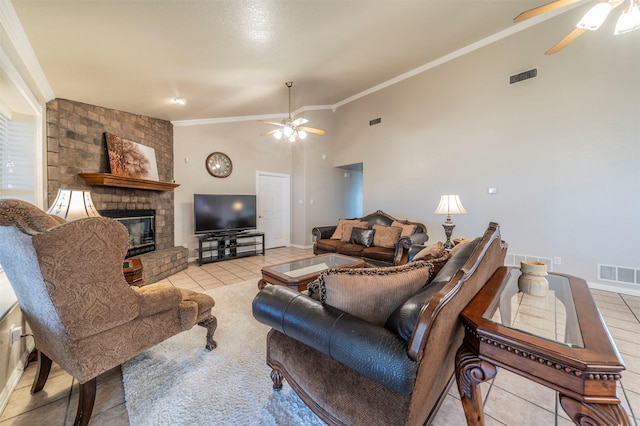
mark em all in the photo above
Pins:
pixel 178 382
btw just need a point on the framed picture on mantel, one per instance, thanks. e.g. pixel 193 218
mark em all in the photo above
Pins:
pixel 131 159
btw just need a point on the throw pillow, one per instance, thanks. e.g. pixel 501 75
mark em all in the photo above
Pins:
pixel 363 237
pixel 337 234
pixel 432 251
pixel 372 294
pixel 348 227
pixel 386 236
pixel 458 246
pixel 407 228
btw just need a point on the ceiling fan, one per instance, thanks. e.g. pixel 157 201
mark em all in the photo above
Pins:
pixel 291 130
pixel 629 20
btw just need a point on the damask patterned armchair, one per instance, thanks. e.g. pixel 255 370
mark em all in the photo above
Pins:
pixel 84 316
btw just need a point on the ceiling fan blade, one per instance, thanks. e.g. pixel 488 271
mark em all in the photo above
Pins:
pixel 543 9
pixel 299 121
pixel 269 132
pixel 272 122
pixel 312 130
pixel 577 32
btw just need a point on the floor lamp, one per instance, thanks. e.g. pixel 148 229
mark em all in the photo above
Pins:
pixel 449 204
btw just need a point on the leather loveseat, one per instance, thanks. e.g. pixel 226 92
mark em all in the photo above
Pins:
pixel 352 372
pixel 381 247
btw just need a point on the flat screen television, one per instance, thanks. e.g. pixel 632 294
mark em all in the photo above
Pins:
pixel 222 213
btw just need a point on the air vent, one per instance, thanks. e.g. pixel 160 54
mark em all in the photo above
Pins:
pixel 375 121
pixel 515 259
pixel 619 274
pixel 526 75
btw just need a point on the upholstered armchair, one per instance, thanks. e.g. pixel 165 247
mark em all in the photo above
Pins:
pixel 352 367
pixel 70 287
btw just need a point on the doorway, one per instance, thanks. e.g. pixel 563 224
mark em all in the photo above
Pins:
pixel 274 208
pixel 353 189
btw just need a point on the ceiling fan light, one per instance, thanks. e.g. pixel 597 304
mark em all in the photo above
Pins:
pixel 278 134
pixel 288 131
pixel 594 18
pixel 292 138
pixel 302 134
pixel 628 21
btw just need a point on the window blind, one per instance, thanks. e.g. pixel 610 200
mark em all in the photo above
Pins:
pixel 17 159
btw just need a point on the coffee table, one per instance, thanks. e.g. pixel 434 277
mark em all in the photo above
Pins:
pixel 299 273
pixel 557 339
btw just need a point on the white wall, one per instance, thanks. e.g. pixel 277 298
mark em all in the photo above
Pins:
pixel 316 194
pixel 563 149
pixel 249 152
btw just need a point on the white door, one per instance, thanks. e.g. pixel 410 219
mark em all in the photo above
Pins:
pixel 273 205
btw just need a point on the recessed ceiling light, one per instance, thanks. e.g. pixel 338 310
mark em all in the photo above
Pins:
pixel 180 101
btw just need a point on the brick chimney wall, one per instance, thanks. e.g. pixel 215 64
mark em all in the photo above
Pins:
pixel 76 144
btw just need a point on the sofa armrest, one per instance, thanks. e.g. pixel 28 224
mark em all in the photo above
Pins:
pixel 415 249
pixel 155 298
pixel 371 350
pixel 417 238
pixel 323 232
pixel 403 245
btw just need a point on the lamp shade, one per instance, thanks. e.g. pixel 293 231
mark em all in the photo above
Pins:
pixel 73 205
pixel 450 204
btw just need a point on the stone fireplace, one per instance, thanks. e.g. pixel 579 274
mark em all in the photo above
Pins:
pixel 141 225
pixel 76 144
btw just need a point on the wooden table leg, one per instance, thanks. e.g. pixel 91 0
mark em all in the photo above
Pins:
pixel 262 284
pixel 470 372
pixel 594 414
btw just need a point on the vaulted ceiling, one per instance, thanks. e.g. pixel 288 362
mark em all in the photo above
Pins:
pixel 230 58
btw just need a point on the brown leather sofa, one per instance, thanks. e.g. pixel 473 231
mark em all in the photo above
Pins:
pixel 390 254
pixel 353 372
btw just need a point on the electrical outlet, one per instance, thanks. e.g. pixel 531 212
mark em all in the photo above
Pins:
pixel 557 260
pixel 15 333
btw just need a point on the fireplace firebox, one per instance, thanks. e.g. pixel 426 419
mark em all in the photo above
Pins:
pixel 141 225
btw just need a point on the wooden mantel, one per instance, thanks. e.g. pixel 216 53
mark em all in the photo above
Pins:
pixel 107 179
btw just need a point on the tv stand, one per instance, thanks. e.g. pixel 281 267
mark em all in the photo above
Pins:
pixel 223 246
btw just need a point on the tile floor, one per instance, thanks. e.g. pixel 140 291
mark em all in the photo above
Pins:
pixel 509 399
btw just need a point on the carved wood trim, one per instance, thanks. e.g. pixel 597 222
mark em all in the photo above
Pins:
pixel 210 323
pixel 470 372
pixel 594 414
pixel 594 375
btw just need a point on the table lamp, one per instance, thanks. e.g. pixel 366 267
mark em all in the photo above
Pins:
pixel 449 204
pixel 73 205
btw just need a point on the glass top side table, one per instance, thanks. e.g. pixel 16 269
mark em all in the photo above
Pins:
pixel 558 340
pixel 552 316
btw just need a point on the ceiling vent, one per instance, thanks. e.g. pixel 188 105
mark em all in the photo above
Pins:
pixel 525 75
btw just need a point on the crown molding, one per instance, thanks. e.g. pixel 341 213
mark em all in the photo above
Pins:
pixel 18 38
pixel 277 116
pixel 514 29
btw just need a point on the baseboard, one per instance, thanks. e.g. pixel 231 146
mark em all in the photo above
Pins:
pixel 300 246
pixel 14 378
pixel 615 288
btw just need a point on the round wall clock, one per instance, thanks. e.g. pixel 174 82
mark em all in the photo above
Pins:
pixel 219 165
